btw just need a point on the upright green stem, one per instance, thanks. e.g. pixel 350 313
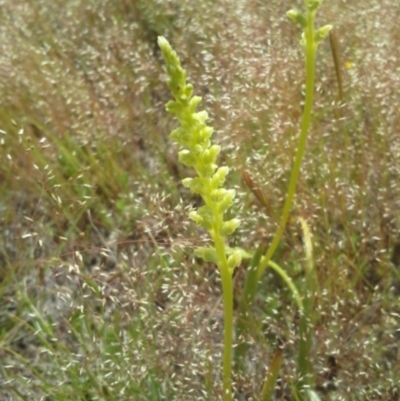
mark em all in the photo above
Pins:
pixel 227 287
pixel 227 291
pixel 310 50
pixel 310 41
pixel 250 286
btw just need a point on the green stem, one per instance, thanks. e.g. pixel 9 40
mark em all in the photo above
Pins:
pixel 310 50
pixel 306 122
pixel 288 281
pixel 227 287
pixel 269 385
pixel 243 323
pixel 305 337
pixel 255 272
pixel 227 290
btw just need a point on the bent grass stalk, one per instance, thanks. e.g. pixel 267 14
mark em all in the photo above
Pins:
pixel 307 316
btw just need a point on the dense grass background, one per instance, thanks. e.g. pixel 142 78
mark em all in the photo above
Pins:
pixel 101 297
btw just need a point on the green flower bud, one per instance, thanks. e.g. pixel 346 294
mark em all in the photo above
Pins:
pixel 234 261
pixel 163 44
pixel 208 217
pixel 245 254
pixel 322 33
pixel 197 150
pixel 177 83
pixel 187 158
pixel 200 117
pixel 303 40
pixel 173 107
pixel 201 220
pixel 205 157
pixel 181 135
pixel 205 134
pixel 196 185
pixel 193 103
pixel 312 5
pixel 207 254
pixel 188 92
pixel 227 202
pixel 207 170
pixel 196 217
pixel 210 155
pixel 187 182
pixel 218 178
pixel 229 227
pixel 297 17
pixel 219 194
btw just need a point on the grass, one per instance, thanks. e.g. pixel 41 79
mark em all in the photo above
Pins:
pixel 111 304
